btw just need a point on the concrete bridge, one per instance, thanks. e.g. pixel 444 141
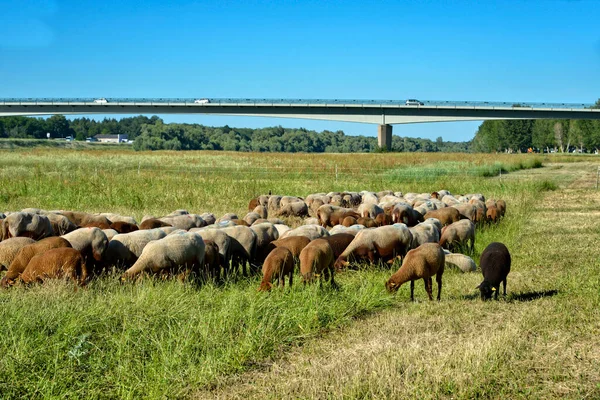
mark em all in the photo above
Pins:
pixel 384 113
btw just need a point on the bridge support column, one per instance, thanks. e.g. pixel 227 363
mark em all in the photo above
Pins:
pixel 384 136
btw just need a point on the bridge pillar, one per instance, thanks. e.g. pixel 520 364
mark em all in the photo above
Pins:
pixel 384 136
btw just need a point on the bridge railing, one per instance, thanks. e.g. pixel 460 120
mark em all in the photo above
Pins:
pixel 288 102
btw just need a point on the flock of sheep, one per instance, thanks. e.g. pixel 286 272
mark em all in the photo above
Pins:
pixel 426 231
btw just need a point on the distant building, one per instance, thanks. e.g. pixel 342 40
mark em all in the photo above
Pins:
pixel 111 138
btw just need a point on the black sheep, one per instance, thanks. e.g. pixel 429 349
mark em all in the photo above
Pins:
pixel 495 266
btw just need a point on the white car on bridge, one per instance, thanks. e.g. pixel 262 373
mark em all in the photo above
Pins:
pixel 414 102
pixel 101 100
pixel 201 101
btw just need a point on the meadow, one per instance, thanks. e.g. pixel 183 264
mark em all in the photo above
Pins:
pixel 159 339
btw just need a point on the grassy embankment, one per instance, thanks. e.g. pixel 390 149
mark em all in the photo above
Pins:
pixel 164 338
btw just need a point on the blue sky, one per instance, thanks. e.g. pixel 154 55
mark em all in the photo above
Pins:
pixel 539 51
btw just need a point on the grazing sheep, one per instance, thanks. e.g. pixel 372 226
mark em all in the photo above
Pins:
pixel 446 215
pixel 261 211
pixel 185 222
pixel 349 221
pixel 293 209
pixel 317 259
pixel 492 214
pixel 384 243
pixel 240 222
pixel 424 233
pixel 460 261
pixel 180 251
pixel 265 234
pixel 26 253
pixel 339 242
pixel 110 233
pixel 310 231
pixel 278 264
pixel 61 225
pixel 223 242
pixel 501 206
pixel 209 218
pixel 97 221
pixel 246 237
pixel 458 233
pixel 311 221
pixel 253 204
pixel 119 218
pixel 467 210
pixel 282 228
pixel 405 214
pixel 274 203
pixel 9 249
pixel 212 260
pixel 251 217
pixel 152 223
pixel 495 266
pixel 294 244
pixel 126 248
pixel 123 227
pixel 30 225
pixel 239 256
pixel 92 243
pixel 420 263
pixel 330 215
pixel 380 220
pixel 56 263
pixel 370 210
pixel 352 230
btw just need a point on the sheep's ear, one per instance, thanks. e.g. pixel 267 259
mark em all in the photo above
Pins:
pixel 493 289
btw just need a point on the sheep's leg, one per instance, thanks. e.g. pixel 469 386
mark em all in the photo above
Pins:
pixel 291 277
pixel 504 282
pixel 496 292
pixel 438 278
pixel 412 290
pixel 429 287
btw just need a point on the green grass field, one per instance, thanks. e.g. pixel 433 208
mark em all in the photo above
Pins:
pixel 159 339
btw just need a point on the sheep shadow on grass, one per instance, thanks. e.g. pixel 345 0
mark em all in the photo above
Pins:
pixel 516 297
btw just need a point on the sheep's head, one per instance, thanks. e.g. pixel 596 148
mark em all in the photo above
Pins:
pixel 391 286
pixel 265 286
pixel 486 289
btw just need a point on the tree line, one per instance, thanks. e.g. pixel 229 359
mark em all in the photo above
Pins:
pixel 152 133
pixel 543 135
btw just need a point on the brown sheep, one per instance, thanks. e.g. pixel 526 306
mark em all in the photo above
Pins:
pixel 492 215
pixel 278 264
pixel 27 253
pixel 294 244
pixel 446 215
pixel 332 215
pixel 123 227
pixel 212 260
pixel 253 204
pixel 501 205
pixel 56 263
pixel 316 259
pixel 420 263
pixel 339 242
pixel 384 243
pixel 382 220
pixel 458 233
pixel 152 223
pixel 349 221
